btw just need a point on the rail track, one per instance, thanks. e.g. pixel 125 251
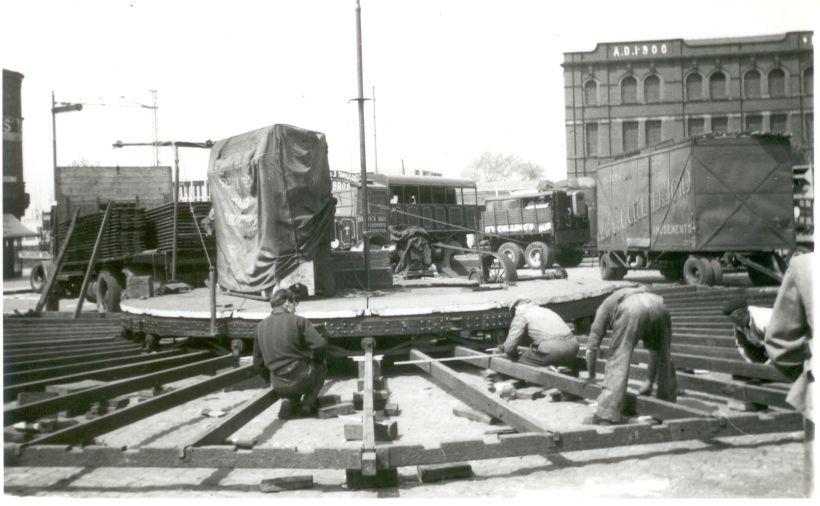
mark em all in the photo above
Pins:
pixel 65 380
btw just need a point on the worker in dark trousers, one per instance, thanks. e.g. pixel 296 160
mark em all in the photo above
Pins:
pixel 790 345
pixel 290 352
pixel 549 341
pixel 634 315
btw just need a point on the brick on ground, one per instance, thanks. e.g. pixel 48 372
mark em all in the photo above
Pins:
pixel 286 483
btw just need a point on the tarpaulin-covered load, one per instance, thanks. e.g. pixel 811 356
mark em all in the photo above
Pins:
pixel 272 201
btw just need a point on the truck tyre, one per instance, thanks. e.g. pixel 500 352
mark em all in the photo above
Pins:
pixel 109 292
pixel 513 252
pixel 570 257
pixel 91 292
pixel 39 275
pixel 534 252
pixel 717 270
pixel 610 270
pixel 698 271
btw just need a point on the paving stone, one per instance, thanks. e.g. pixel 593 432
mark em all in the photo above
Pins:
pixel 440 472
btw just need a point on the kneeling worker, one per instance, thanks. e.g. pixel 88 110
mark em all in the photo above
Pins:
pixel 550 340
pixel 290 352
pixel 633 314
pixel 749 324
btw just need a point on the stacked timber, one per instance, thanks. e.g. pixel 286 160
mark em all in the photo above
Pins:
pixel 160 227
pixel 124 234
pixel 348 269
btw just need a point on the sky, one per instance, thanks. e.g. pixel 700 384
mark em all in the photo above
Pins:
pixel 452 79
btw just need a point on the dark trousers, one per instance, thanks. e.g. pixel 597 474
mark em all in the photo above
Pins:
pixel 558 351
pixel 808 457
pixel 301 384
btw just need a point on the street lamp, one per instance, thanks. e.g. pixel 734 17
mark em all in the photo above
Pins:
pixel 56 109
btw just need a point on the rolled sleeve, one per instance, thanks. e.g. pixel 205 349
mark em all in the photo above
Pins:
pixel 518 326
pixel 601 323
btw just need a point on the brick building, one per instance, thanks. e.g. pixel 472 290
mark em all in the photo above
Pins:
pixel 623 96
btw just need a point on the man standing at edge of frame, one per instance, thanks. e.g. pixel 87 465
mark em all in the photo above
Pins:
pixel 290 351
pixel 633 314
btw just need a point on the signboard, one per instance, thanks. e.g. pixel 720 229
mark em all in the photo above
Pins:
pixel 640 49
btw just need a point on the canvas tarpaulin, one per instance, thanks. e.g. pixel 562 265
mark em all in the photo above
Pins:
pixel 271 195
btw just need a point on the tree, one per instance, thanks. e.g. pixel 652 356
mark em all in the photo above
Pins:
pixel 497 167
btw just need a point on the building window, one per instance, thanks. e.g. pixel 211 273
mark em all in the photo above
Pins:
pixel 652 89
pixel 694 87
pixel 720 125
pixel 754 122
pixel 653 132
pixel 591 93
pixel 629 90
pixel 695 126
pixel 810 129
pixel 630 135
pixel 777 83
pixel 808 81
pixel 751 84
pixel 592 138
pixel 779 123
pixel 717 86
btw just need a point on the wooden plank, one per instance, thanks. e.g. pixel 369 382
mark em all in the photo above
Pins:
pixel 63 359
pixel 368 423
pixel 36 410
pixel 86 432
pixel 657 408
pixel 477 398
pixel 250 409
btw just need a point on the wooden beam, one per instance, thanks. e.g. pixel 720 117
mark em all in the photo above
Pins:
pixel 219 433
pixel 369 467
pixel 477 398
pixel 25 365
pixel 86 432
pixel 58 264
pixel 107 374
pixel 90 269
pixel 657 408
pixel 35 410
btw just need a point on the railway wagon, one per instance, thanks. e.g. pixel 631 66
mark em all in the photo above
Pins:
pixel 696 208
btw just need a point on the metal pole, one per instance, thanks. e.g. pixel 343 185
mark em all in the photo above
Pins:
pixel 375 145
pixel 212 283
pixel 363 162
pixel 90 269
pixel 54 142
pixel 176 217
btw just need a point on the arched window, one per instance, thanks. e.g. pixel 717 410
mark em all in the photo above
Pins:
pixel 629 90
pixel 652 89
pixel 777 83
pixel 694 87
pixel 591 93
pixel 717 86
pixel 751 84
pixel 808 81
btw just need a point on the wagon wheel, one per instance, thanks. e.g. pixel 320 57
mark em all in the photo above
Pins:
pixel 500 269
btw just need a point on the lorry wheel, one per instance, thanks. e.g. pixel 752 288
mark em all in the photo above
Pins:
pixel 38 277
pixel 570 257
pixel 109 292
pixel 611 271
pixel 534 252
pixel 513 252
pixel 717 270
pixel 698 271
pixel 500 269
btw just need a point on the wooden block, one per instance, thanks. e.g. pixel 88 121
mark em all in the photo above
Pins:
pixel 139 287
pixel 384 478
pixel 383 431
pixel 24 398
pixel 440 472
pixel 391 409
pixel 70 388
pixel 554 394
pixel 286 483
pixel 328 400
pixel 471 414
pixel 750 407
pixel 565 397
pixel 343 408
pixel 10 435
pixel 379 383
pixel 530 393
pixel 501 429
pixel 379 399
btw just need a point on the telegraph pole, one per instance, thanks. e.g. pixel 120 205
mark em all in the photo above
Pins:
pixel 362 157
